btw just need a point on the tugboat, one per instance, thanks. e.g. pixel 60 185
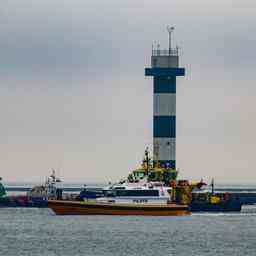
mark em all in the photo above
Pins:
pixel 208 201
pixel 37 197
pixel 52 189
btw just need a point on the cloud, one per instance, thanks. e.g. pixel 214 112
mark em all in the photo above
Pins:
pixel 72 85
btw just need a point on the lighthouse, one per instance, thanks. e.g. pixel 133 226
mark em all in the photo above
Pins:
pixel 164 70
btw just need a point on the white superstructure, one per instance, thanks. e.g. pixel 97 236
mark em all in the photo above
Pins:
pixel 137 193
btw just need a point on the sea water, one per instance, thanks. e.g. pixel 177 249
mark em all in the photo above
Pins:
pixel 31 231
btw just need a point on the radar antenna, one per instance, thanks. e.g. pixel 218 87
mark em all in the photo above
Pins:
pixel 170 30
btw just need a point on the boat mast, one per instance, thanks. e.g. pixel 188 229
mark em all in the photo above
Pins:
pixel 147 161
pixel 212 186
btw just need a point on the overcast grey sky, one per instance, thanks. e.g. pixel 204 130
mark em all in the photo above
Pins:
pixel 73 95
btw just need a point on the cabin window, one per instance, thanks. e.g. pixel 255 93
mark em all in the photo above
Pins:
pixel 109 193
pixel 130 193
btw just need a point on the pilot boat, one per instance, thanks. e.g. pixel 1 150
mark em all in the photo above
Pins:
pixel 125 199
pixel 134 196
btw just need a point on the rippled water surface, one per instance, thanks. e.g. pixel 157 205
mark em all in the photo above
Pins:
pixel 39 232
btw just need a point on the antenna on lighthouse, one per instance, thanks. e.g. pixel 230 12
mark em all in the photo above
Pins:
pixel 170 30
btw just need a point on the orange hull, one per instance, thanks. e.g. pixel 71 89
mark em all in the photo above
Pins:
pixel 94 208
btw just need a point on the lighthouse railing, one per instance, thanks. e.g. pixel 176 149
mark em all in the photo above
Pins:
pixel 165 52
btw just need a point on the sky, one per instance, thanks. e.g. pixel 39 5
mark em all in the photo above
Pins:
pixel 73 95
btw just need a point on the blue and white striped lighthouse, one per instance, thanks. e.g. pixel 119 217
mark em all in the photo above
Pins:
pixel 164 69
